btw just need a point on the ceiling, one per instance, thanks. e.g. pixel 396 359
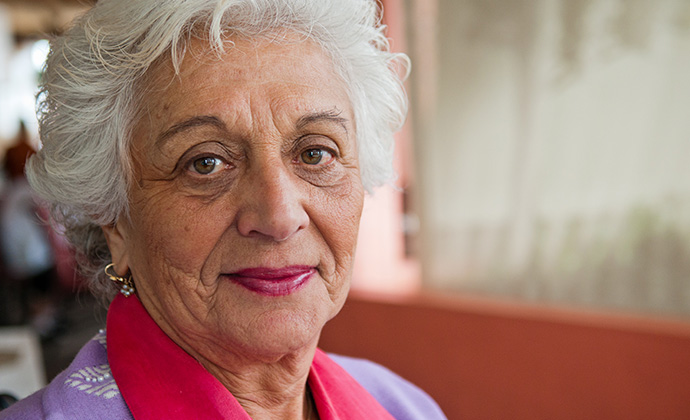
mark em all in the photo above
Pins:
pixel 38 18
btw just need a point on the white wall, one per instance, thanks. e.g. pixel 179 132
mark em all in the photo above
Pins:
pixel 553 149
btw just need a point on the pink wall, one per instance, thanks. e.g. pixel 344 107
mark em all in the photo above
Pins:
pixel 381 264
pixel 483 359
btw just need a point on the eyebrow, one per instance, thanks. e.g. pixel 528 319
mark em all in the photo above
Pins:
pixel 193 122
pixel 327 116
pixel 205 120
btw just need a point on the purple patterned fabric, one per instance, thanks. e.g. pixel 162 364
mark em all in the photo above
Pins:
pixel 86 390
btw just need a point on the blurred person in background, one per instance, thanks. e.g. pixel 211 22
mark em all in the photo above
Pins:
pixel 28 261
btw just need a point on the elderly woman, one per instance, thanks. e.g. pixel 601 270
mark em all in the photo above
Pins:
pixel 210 157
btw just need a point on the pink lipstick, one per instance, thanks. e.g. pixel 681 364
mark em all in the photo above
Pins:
pixel 273 281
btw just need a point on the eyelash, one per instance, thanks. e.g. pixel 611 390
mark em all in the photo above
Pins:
pixel 326 153
pixel 218 164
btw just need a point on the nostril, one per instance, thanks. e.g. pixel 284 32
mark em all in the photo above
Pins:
pixel 279 227
pixel 277 221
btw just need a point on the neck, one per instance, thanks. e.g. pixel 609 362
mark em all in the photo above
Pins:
pixel 267 385
pixel 269 390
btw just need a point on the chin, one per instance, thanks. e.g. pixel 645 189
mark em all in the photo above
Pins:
pixel 279 333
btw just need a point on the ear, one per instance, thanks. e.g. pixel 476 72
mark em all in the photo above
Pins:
pixel 116 237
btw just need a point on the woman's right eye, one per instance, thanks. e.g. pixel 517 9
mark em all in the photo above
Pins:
pixel 206 165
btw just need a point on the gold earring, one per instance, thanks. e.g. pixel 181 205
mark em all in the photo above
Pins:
pixel 126 283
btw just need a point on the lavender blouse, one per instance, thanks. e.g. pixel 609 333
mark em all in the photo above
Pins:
pixel 87 390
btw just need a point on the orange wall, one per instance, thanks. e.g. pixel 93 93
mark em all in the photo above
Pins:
pixel 484 359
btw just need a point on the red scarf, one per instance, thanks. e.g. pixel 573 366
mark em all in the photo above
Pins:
pixel 159 380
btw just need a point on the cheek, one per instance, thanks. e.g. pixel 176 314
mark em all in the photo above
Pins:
pixel 341 217
pixel 175 234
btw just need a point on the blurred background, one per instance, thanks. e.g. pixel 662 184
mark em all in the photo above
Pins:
pixel 534 255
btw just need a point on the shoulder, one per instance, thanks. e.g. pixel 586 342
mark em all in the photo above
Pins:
pixel 25 409
pixel 85 390
pixel 404 400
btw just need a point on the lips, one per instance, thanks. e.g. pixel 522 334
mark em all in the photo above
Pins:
pixel 273 281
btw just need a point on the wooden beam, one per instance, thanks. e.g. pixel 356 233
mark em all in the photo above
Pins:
pixel 41 18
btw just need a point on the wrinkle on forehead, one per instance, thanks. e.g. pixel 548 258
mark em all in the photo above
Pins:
pixel 166 89
pixel 255 54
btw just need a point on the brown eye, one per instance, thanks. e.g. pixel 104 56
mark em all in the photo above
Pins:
pixel 206 165
pixel 314 156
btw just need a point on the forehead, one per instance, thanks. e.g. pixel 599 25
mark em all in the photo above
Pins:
pixel 290 76
pixel 253 58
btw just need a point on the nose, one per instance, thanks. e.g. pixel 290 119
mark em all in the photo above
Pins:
pixel 272 204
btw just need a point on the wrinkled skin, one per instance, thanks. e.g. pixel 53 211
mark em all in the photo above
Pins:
pixel 245 161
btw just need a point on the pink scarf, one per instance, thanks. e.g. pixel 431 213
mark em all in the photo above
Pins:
pixel 159 380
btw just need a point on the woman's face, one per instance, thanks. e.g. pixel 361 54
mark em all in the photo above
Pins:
pixel 246 199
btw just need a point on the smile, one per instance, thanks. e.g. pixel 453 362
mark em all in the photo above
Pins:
pixel 273 281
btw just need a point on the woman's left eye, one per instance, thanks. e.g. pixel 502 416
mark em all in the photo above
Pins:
pixel 206 165
pixel 315 156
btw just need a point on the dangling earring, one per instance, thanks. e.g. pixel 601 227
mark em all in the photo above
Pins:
pixel 126 283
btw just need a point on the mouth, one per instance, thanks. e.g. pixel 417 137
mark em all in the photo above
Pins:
pixel 273 281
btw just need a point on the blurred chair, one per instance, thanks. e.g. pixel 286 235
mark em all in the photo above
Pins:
pixel 21 363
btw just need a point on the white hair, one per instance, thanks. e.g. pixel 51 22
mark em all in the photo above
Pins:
pixel 92 87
